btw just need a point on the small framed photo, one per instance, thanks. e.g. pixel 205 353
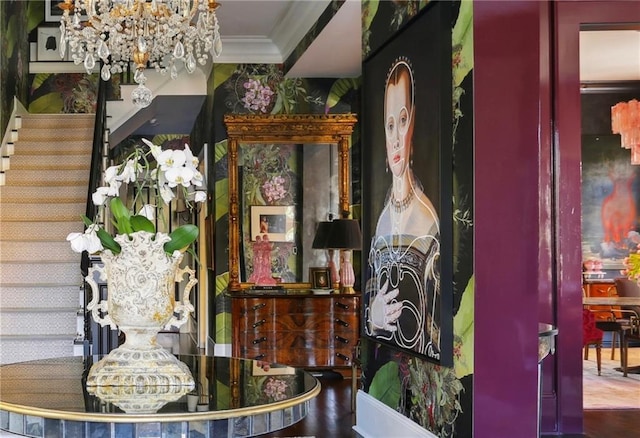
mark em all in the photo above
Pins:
pixel 274 221
pixel 52 12
pixel 320 278
pixel 48 44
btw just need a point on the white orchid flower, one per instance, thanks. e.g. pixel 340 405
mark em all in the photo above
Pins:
pixel 111 174
pixel 179 175
pixel 92 240
pixel 200 196
pixel 161 184
pixel 155 150
pixel 190 160
pixel 170 159
pixel 197 179
pixel 166 194
pixel 148 211
pixel 100 196
pixel 87 241
pixel 77 241
pixel 129 172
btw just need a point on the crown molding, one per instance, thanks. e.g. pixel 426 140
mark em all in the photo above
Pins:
pixel 253 50
pixel 276 47
pixel 298 20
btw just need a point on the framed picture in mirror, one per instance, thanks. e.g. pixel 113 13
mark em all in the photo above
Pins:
pixel 276 222
pixel 48 44
pixel 320 278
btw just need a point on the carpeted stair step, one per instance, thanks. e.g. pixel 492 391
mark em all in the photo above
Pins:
pixel 22 348
pixel 43 194
pixel 40 274
pixel 50 231
pixel 76 147
pixel 50 162
pixel 62 135
pixel 13 251
pixel 30 212
pixel 38 177
pixel 57 121
pixel 36 296
pixel 36 321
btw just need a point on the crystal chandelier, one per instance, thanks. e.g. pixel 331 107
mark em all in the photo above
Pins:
pixel 154 33
pixel 625 120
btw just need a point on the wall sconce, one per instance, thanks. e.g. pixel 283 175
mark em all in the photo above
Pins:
pixel 625 120
pixel 345 235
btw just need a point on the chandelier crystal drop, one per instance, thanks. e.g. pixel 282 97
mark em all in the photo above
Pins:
pixel 150 33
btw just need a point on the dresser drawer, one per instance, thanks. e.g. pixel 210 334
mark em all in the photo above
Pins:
pixel 309 331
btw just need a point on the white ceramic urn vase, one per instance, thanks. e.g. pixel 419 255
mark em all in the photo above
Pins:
pixel 140 286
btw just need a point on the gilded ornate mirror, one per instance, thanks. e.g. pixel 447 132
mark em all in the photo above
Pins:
pixel 268 132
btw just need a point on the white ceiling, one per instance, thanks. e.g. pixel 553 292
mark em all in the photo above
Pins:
pixel 608 55
pixel 267 31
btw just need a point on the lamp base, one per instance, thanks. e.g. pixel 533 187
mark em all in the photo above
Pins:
pixel 347 290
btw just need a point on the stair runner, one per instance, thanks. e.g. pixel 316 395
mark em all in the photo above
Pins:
pixel 41 202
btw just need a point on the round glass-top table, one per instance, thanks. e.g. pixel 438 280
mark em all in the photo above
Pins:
pixel 232 398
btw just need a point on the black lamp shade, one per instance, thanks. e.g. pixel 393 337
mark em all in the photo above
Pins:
pixel 344 234
pixel 322 234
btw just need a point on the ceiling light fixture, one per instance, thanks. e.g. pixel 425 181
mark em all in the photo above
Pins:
pixel 625 120
pixel 154 33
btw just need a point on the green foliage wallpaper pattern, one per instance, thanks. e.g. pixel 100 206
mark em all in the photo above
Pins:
pixel 261 88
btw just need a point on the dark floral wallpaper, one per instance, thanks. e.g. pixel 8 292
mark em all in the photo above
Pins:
pixel 17 19
pixel 262 88
pixel 437 398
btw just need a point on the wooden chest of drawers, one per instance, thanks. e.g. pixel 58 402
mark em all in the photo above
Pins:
pixel 298 330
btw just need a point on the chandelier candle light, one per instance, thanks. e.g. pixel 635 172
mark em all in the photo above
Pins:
pixel 154 33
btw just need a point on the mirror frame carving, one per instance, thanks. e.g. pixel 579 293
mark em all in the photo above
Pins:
pixel 282 128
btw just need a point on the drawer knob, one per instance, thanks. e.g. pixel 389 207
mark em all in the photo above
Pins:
pixel 259 306
pixel 258 323
pixel 341 339
pixel 341 322
pixel 342 306
pixel 259 340
pixel 342 356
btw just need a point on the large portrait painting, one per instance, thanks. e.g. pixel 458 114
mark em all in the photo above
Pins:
pixel 610 205
pixel 407 179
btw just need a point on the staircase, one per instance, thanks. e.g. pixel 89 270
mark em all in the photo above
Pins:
pixel 41 202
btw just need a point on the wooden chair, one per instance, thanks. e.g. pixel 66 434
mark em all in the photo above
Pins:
pixel 591 335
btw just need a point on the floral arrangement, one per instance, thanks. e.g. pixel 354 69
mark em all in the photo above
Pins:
pixel 163 173
pixel 632 264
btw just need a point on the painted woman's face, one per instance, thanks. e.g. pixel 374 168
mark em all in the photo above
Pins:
pixel 398 119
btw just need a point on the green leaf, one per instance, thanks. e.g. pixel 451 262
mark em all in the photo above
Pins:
pixel 141 223
pixel 339 89
pixel 222 72
pixel 108 242
pixel 121 216
pixel 385 385
pixel 181 238
pixel 47 104
pixel 220 151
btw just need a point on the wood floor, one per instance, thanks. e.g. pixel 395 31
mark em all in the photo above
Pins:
pixel 330 417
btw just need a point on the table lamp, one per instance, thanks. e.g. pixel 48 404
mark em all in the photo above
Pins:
pixel 320 242
pixel 345 235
